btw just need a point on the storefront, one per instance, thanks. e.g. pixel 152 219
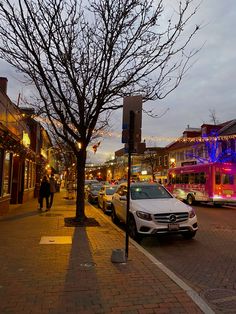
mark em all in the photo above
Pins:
pixel 5 179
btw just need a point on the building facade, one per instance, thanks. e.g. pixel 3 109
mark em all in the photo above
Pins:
pixel 21 162
pixel 209 143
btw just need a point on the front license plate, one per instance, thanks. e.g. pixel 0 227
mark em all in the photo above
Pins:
pixel 173 227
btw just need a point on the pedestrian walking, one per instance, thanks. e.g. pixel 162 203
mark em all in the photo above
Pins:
pixel 44 192
pixel 53 189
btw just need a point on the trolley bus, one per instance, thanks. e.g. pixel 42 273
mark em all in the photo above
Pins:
pixel 213 182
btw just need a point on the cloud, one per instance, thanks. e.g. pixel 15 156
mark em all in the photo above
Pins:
pixel 209 84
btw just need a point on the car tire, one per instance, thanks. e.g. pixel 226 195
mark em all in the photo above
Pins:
pixel 190 199
pixel 189 235
pixel 114 218
pixel 133 233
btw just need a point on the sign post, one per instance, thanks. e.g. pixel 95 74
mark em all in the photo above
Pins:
pixel 131 135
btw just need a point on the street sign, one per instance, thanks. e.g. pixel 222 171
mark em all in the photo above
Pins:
pixel 132 104
pixel 139 148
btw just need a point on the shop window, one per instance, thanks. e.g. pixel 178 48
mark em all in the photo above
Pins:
pixel 33 174
pixel 7 167
pixel 30 175
pixel 1 170
pixel 26 183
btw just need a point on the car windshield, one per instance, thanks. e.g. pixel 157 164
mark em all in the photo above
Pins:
pixel 110 190
pixel 95 187
pixel 148 192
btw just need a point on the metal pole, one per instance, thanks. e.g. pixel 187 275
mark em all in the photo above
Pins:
pixel 130 150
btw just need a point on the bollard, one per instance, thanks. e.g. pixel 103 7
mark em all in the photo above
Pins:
pixel 118 256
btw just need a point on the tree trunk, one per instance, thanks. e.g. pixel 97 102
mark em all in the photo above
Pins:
pixel 80 203
pixel 153 174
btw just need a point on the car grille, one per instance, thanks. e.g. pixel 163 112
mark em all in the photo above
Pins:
pixel 170 217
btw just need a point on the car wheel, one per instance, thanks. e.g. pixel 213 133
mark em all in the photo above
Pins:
pixel 190 199
pixel 114 218
pixel 189 235
pixel 133 233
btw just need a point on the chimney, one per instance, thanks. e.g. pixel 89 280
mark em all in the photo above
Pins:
pixel 3 84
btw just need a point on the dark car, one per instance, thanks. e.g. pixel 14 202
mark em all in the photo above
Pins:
pixel 92 193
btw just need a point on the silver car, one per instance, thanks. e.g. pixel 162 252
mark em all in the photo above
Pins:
pixel 105 196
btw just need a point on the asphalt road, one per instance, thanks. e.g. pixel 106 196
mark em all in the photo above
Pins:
pixel 207 263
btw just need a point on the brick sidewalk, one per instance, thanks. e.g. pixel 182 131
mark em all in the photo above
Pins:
pixel 78 277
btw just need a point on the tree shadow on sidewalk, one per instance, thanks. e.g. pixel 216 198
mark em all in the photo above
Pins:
pixel 81 287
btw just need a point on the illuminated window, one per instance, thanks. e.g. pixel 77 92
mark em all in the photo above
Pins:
pixel 33 174
pixel 165 160
pixel 7 165
pixel 26 183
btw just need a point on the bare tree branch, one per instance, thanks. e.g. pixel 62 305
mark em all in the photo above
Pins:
pixel 83 57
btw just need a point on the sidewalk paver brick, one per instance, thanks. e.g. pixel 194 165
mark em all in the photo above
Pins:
pixel 78 277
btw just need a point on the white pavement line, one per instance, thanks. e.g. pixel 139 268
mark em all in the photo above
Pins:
pixel 190 292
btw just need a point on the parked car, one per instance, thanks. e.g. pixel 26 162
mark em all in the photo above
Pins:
pixel 105 197
pixel 92 192
pixel 87 183
pixel 153 210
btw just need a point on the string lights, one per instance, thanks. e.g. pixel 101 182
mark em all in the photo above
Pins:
pixel 176 139
pixel 168 139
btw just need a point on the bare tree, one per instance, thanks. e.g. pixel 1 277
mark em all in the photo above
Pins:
pixel 150 160
pixel 84 56
pixel 213 116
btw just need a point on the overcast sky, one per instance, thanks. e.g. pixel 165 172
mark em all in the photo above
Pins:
pixel 208 85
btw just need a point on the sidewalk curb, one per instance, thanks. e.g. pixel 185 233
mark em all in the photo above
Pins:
pixel 189 291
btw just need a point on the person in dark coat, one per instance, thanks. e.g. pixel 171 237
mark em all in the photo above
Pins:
pixel 53 189
pixel 44 192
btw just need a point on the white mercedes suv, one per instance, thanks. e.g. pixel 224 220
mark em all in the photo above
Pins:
pixel 153 210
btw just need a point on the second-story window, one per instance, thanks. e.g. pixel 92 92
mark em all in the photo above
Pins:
pixel 165 160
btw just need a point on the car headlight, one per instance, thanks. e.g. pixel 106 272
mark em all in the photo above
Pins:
pixel 192 213
pixel 143 215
